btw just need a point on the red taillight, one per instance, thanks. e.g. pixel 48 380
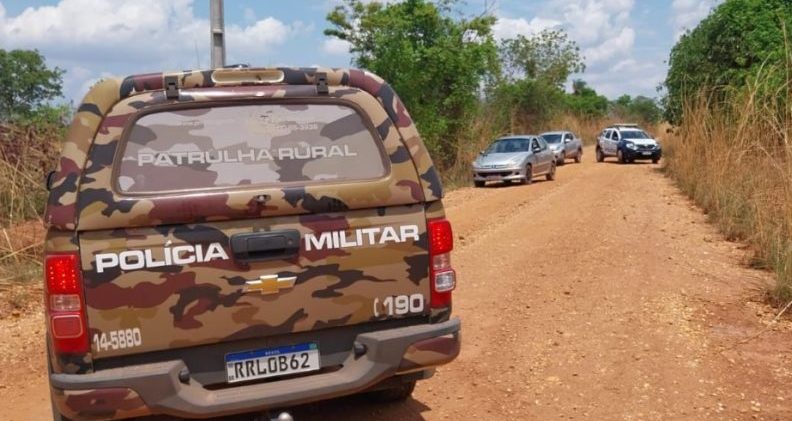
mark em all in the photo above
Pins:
pixel 441 238
pixel 63 274
pixel 443 277
pixel 64 303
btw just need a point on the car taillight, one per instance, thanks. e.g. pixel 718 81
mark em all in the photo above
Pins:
pixel 443 277
pixel 65 312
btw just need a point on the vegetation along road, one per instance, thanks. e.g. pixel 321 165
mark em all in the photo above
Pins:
pixel 602 295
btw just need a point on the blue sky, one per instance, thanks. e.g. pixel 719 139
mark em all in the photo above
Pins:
pixel 625 42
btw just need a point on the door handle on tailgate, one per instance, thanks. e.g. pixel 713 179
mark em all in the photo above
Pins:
pixel 270 245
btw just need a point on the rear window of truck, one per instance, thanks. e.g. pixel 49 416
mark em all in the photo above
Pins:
pixel 239 145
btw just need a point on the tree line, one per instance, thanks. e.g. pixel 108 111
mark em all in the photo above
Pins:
pixel 448 69
pixel 740 44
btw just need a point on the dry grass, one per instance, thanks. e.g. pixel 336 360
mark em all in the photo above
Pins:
pixel 26 156
pixel 735 160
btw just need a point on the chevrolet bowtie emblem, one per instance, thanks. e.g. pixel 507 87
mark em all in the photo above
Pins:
pixel 269 284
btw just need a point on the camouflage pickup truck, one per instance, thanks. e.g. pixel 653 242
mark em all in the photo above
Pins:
pixel 243 240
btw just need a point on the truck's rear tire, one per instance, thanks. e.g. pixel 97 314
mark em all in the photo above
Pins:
pixel 578 156
pixel 394 394
pixel 600 155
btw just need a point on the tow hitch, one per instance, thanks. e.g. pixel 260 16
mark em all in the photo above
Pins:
pixel 283 416
pixel 268 416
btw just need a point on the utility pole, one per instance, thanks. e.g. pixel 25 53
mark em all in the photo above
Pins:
pixel 217 33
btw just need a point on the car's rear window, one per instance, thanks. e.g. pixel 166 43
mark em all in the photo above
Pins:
pixel 238 145
pixel 552 138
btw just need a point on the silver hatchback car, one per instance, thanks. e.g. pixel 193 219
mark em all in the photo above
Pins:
pixel 517 158
pixel 565 145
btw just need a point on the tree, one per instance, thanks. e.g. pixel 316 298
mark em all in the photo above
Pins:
pixel 641 108
pixel 645 109
pixel 26 83
pixel 535 69
pixel 737 41
pixel 435 62
pixel 585 101
pixel 549 56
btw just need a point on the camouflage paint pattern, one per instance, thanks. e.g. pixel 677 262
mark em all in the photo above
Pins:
pixel 147 90
pixel 237 145
pixel 100 206
pixel 180 306
pixel 62 204
pixel 205 302
pixel 430 353
pixel 99 404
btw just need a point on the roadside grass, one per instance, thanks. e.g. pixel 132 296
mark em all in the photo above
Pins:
pixel 734 159
pixel 27 154
pixel 20 267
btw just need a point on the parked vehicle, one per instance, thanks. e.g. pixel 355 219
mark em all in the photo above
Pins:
pixel 210 246
pixel 628 143
pixel 517 158
pixel 565 145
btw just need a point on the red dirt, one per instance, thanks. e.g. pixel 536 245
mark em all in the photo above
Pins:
pixel 602 295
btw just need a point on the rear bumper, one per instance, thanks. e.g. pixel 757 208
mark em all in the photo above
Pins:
pixel 155 388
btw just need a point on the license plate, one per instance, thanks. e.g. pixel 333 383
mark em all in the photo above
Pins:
pixel 493 177
pixel 271 362
pixel 647 153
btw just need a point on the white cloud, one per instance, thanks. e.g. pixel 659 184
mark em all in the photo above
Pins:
pixel 686 14
pixel 335 46
pixel 614 46
pixel 160 31
pixel 510 28
pixel 260 36
pixel 601 27
pixel 127 37
pixel 624 64
pixel 628 76
pixel 92 23
pixel 605 31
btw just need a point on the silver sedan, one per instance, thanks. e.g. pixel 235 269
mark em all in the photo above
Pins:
pixel 514 159
pixel 565 145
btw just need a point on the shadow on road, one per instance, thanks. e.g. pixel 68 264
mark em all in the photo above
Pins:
pixel 357 407
pixel 629 163
pixel 502 185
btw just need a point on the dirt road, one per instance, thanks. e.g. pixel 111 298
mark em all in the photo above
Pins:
pixel 603 295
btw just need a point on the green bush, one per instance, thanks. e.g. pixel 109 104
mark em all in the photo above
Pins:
pixel 726 52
